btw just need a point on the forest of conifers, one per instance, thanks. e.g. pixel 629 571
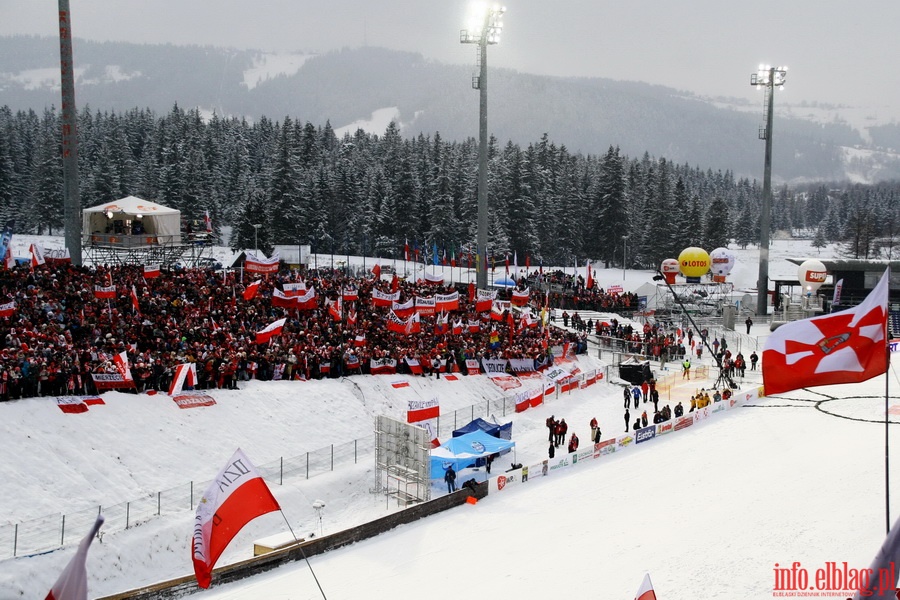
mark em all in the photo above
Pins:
pixel 371 194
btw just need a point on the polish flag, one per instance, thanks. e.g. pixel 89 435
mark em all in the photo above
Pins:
pixel 37 255
pixel 72 582
pixel 645 592
pixel 359 340
pixel 7 310
pixel 104 292
pixel 520 298
pixel 336 309
pixel 421 410
pixel 151 271
pixel 121 362
pixel 844 347
pixel 185 374
pixel 255 264
pixel 406 251
pixel 590 276
pixel 134 300
pixel 236 496
pixel 252 289
pixel 208 221
pixel 270 331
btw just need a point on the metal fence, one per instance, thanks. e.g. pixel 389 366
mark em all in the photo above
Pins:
pixel 50 532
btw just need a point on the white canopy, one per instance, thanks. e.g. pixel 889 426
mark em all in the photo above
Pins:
pixel 157 220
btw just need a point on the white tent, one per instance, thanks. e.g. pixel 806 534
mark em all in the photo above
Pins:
pixel 157 221
pixel 652 293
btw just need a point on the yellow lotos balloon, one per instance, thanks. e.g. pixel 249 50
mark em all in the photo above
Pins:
pixel 694 262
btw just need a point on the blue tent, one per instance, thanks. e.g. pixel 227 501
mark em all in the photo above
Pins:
pixel 463 451
pixel 497 430
pixel 505 282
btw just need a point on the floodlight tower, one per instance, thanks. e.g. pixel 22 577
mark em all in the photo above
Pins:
pixel 485 32
pixel 768 78
pixel 71 195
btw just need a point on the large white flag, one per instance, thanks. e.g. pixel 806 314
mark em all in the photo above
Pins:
pixel 236 496
pixel 72 582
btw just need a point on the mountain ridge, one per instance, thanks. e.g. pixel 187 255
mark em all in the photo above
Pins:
pixel 346 86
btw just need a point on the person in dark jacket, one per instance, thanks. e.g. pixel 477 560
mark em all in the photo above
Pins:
pixel 450 478
pixel 552 450
pixel 551 425
pixel 627 419
pixel 627 396
pixel 561 429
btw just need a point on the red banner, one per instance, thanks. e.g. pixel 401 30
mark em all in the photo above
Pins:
pixel 193 400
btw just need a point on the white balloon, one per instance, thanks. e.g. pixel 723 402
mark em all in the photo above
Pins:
pixel 722 260
pixel 812 275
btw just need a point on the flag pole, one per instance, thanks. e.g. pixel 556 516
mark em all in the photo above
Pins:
pixel 887 472
pixel 300 547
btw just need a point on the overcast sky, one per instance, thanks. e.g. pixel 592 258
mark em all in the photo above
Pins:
pixel 838 52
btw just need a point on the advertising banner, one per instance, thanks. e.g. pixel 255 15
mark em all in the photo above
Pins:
pixel 111 381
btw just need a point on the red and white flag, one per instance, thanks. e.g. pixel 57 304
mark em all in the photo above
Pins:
pixel 251 290
pixel 134 300
pixel 336 309
pixel 520 297
pixel 844 347
pixel 270 331
pixel 236 496
pixel 645 592
pixel 254 264
pixel 7 310
pixel 72 582
pixel 351 318
pixel 280 300
pixel 406 250
pixel 376 271
pixel 151 271
pixel 185 374
pixel 405 309
pixel 10 260
pixel 590 277
pixel 104 292
pixel 37 255
pixel 208 222
pixel 359 340
pixel 121 362
pixel 420 410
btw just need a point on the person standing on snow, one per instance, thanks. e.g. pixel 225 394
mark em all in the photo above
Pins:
pixel 450 478
pixel 627 419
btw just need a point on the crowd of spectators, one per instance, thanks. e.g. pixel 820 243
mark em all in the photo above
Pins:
pixel 59 333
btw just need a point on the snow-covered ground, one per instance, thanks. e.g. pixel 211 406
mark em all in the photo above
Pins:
pixel 708 511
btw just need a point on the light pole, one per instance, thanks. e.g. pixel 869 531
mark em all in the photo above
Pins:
pixel 624 254
pixel 485 32
pixel 768 78
pixel 256 227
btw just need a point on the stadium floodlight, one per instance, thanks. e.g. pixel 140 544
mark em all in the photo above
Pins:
pixel 767 78
pixel 484 32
